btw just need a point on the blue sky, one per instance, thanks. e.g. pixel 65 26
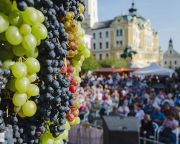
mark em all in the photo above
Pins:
pixel 164 15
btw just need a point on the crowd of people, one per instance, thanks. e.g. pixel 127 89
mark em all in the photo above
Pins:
pixel 151 99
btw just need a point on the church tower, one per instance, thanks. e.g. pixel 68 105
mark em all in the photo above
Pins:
pixel 170 44
pixel 91 13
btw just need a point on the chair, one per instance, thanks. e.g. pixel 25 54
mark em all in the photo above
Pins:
pixel 155 126
pixel 177 135
pixel 161 128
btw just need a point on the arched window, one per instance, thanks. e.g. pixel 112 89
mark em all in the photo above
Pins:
pixel 100 45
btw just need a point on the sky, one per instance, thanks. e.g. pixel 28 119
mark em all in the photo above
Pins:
pixel 163 14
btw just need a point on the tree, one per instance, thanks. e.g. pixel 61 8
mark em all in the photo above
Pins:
pixel 112 63
pixel 90 64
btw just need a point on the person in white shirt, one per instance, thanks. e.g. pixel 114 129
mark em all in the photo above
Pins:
pixel 139 112
pixel 123 110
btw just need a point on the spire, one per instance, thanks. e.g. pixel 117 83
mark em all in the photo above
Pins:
pixel 170 43
pixel 133 10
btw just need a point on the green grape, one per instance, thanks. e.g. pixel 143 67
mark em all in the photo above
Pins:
pixel 18 50
pixel 59 142
pixel 86 53
pixel 74 62
pixel 11 85
pixel 38 42
pixel 5 6
pixel 77 68
pixel 19 99
pixel 19 70
pixel 82 47
pixel 21 114
pixel 47 139
pixel 22 84
pixel 33 65
pixel 33 90
pixel 29 108
pixel 7 64
pixel 29 42
pixel 14 6
pixel 4 23
pixel 32 78
pixel 33 53
pixel 63 136
pixel 67 126
pixel 77 120
pixel 77 78
pixel 13 35
pixel 17 109
pixel 30 16
pixel 40 16
pixel 25 29
pixel 39 31
pixel 15 18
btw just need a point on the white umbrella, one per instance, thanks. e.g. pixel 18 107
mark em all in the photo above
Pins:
pixel 154 69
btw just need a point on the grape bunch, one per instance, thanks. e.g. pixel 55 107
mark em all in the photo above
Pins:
pixel 54 85
pixel 77 52
pixel 23 32
pixel 42 45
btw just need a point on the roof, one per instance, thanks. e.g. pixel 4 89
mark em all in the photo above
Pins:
pixel 173 53
pixel 106 24
pixel 103 24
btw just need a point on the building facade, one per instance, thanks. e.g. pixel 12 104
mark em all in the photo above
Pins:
pixel 110 38
pixel 171 58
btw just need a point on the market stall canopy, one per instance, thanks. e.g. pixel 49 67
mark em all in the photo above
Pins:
pixel 105 70
pixel 154 69
pixel 125 69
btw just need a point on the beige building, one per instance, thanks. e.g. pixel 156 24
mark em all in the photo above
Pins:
pixel 171 58
pixel 110 38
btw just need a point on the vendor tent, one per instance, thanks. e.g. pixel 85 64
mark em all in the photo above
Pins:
pixel 154 69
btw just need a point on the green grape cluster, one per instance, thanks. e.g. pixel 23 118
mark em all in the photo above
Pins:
pixel 20 34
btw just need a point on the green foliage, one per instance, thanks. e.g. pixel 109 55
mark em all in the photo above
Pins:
pixel 113 63
pixel 90 64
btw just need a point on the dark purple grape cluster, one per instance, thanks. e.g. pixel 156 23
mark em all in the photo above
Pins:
pixel 72 5
pixel 54 95
pixel 4 75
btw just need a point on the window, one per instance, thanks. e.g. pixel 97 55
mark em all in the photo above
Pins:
pixel 107 34
pixel 119 32
pixel 100 45
pixel 121 43
pixel 94 45
pixel 100 34
pixel 175 62
pixel 165 62
pixel 107 55
pixel 170 62
pixel 100 56
pixel 107 44
pixel 170 52
pixel 94 35
pixel 117 42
